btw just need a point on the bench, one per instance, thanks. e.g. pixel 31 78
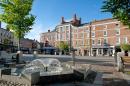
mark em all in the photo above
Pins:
pixel 125 61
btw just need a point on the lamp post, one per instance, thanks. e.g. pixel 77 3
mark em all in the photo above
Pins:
pixel 70 39
pixel 90 37
pixel 73 56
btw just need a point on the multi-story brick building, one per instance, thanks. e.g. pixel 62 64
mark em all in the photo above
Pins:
pixel 107 34
pixel 29 45
pixel 49 42
pixel 48 38
pixel 99 37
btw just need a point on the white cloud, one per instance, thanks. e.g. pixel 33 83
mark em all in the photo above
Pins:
pixel 35 32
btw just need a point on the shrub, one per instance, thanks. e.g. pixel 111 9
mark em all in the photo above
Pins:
pixel 125 47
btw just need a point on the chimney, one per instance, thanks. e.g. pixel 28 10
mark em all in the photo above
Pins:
pixel 48 30
pixel 75 18
pixel 62 20
pixel 80 20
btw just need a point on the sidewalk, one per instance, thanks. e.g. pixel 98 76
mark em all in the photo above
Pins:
pixel 110 76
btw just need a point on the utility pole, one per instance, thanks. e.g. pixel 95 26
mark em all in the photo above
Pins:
pixel 90 37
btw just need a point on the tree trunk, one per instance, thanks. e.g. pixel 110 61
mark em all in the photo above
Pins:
pixel 18 44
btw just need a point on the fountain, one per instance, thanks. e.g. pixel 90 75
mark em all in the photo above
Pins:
pixel 52 70
pixel 46 66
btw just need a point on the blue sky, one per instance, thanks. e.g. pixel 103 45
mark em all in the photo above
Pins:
pixel 49 12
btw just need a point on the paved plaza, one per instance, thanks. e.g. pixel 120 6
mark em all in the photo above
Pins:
pixel 104 66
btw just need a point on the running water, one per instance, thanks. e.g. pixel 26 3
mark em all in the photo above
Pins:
pixel 45 66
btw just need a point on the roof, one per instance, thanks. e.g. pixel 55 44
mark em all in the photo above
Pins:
pixel 103 20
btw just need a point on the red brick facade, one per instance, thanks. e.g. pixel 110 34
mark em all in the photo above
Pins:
pixel 48 38
pixel 95 38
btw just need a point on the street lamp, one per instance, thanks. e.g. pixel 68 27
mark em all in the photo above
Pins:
pixel 90 37
pixel 70 38
pixel 73 56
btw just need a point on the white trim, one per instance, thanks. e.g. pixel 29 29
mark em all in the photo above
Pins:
pixel 117 30
pixel 118 40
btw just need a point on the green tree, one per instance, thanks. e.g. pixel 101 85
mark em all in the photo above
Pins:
pixel 16 14
pixel 120 10
pixel 125 47
pixel 63 46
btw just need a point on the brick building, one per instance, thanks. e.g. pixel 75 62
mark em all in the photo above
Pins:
pixel 49 42
pixel 96 38
pixel 107 35
pixel 48 38
pixel 29 45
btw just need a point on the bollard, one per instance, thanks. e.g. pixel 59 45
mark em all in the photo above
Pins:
pixel 35 53
pixel 19 56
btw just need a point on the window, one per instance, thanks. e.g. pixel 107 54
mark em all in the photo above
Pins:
pixel 125 40
pixel 67 27
pixel 93 41
pixel 82 43
pixel 67 35
pixel 118 40
pixel 105 33
pixel 99 41
pixel 61 29
pixel 117 31
pixel 93 34
pixel 105 41
pixel 60 36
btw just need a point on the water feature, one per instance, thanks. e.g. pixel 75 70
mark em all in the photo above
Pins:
pixel 51 71
pixel 46 66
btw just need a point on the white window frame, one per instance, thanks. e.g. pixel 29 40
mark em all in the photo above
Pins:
pixel 104 32
pixel 93 34
pixel 98 42
pixel 106 41
pixel 61 29
pixel 118 30
pixel 125 40
pixel 92 41
pixel 118 40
